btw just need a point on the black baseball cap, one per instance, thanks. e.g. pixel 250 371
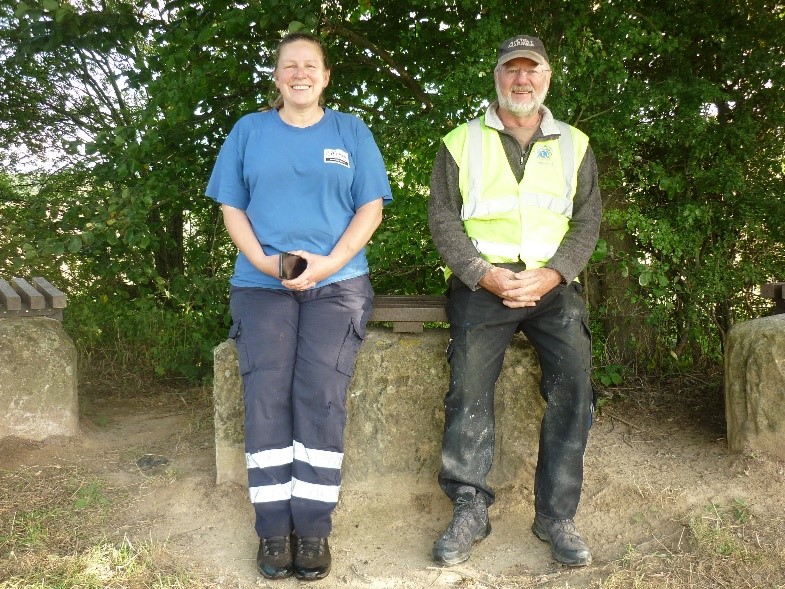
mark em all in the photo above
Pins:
pixel 522 46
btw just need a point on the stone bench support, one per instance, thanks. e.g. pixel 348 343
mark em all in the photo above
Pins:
pixel 395 405
pixel 38 380
pixel 755 385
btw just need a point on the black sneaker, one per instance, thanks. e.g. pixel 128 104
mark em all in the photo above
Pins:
pixel 469 524
pixel 274 558
pixel 312 559
pixel 567 545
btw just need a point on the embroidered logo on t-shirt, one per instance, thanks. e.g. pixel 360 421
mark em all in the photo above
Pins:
pixel 336 156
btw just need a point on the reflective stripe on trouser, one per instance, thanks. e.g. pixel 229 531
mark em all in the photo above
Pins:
pixel 481 328
pixel 296 352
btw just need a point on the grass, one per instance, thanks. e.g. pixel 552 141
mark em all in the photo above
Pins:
pixel 100 566
pixel 721 546
pixel 51 522
pixel 44 505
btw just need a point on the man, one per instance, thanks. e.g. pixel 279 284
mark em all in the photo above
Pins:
pixel 515 213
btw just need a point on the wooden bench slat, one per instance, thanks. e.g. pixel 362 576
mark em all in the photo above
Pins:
pixel 776 292
pixel 409 308
pixel 8 297
pixel 408 313
pixel 409 300
pixel 30 296
pixel 19 298
pixel 773 290
pixel 55 298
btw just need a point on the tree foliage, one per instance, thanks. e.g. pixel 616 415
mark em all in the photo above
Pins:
pixel 129 101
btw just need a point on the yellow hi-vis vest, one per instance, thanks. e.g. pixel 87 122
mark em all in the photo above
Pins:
pixel 510 221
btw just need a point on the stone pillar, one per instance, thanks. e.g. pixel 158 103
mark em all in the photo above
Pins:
pixel 755 386
pixel 395 405
pixel 228 415
pixel 38 380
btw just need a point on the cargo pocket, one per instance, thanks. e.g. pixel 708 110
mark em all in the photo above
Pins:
pixel 236 333
pixel 350 347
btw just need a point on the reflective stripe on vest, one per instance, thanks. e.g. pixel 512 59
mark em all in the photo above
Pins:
pixel 504 251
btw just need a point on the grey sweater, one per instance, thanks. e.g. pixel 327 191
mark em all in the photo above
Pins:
pixel 444 208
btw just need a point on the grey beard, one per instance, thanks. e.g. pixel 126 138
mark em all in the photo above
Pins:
pixel 517 109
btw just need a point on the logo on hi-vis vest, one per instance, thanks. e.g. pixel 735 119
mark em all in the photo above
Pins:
pixel 544 152
pixel 336 156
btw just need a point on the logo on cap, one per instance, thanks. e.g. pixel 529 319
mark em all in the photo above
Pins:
pixel 520 42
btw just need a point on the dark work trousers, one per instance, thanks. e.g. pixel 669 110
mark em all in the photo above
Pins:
pixel 296 353
pixel 481 328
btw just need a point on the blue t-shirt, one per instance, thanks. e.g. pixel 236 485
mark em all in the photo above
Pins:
pixel 300 187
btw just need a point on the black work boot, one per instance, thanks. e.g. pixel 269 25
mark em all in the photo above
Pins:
pixel 312 559
pixel 469 524
pixel 274 558
pixel 567 545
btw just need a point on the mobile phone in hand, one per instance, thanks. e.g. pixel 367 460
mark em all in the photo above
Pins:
pixel 290 265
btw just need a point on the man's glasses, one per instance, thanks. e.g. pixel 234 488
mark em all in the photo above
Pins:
pixel 513 72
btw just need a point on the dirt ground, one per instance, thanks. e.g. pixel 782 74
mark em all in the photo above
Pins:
pixel 652 462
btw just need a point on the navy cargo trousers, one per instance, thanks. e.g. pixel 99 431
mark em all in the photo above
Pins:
pixel 296 352
pixel 481 328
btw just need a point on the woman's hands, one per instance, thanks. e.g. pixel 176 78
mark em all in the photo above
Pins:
pixel 318 269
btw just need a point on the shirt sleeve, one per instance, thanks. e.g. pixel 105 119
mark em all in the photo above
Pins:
pixel 444 220
pixel 227 183
pixel 370 175
pixel 578 244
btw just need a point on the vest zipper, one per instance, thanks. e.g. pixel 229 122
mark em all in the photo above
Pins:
pixel 525 154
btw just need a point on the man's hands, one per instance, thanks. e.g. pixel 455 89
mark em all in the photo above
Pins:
pixel 520 289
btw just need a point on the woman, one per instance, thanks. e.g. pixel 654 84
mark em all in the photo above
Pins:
pixel 306 180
